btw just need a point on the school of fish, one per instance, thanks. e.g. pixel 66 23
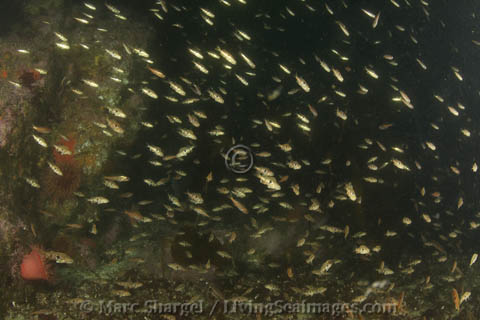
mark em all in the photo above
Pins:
pixel 362 130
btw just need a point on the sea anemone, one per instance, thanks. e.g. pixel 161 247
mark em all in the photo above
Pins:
pixel 60 188
pixel 34 267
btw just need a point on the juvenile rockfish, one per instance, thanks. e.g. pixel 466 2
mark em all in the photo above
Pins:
pixel 184 151
pixel 177 88
pixel 90 83
pixel 156 72
pixel 55 168
pixel 116 112
pixel 270 182
pixel 149 92
pixel 115 126
pixel 227 56
pixel 63 150
pixel 34 183
pixel 187 133
pixel 114 54
pixel 117 178
pixel 156 150
pixel 215 96
pixel 40 141
pixel 195 198
pixel 264 171
pixel 239 205
pixel 98 200
pixel 302 83
pixel 58 257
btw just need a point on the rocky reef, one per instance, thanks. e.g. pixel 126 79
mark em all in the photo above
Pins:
pixel 39 86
